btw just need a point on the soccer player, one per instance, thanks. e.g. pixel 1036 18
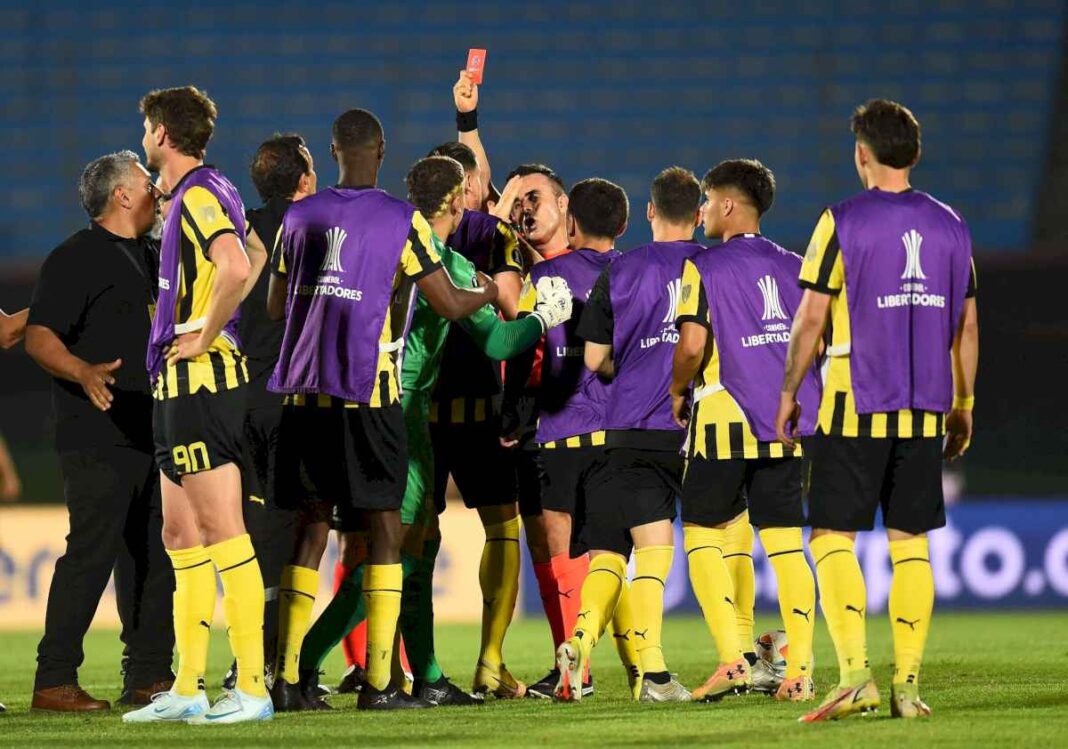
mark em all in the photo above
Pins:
pixel 435 186
pixel 282 171
pixel 199 376
pixel 570 432
pixel 903 353
pixel 628 326
pixel 345 270
pixel 735 307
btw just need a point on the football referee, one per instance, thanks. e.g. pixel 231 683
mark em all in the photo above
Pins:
pixel 88 328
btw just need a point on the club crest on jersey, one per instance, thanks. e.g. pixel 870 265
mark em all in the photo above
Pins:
pixel 335 237
pixel 912 240
pixel 769 288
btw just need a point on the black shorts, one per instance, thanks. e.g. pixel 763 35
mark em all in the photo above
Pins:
pixel 527 462
pixel 568 476
pixel 715 491
pixel 198 432
pixel 484 471
pixel 350 458
pixel 260 450
pixel 640 486
pixel 849 477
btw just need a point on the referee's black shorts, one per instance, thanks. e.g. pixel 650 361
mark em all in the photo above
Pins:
pixel 849 478
pixel 715 491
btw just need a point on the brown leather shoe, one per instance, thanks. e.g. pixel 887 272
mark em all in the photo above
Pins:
pixel 136 697
pixel 69 698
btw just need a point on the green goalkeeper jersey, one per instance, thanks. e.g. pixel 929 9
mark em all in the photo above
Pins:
pixel 426 338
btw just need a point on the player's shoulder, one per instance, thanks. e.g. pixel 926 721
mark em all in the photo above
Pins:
pixel 945 210
pixel 480 222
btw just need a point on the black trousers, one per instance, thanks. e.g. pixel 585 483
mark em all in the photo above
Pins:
pixel 272 528
pixel 116 523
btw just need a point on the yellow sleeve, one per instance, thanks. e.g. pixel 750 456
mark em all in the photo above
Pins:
pixel 205 217
pixel 693 305
pixel 528 297
pixel 505 254
pixel 822 268
pixel 419 257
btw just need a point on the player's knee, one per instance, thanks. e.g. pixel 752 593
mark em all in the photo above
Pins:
pixel 353 549
pixel 179 535
pixel 312 545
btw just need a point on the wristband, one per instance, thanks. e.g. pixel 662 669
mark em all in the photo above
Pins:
pixel 963 404
pixel 467 121
pixel 541 321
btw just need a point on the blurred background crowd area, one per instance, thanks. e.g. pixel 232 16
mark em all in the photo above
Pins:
pixel 617 90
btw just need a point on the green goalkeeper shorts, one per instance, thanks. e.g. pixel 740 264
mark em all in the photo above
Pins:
pixel 418 504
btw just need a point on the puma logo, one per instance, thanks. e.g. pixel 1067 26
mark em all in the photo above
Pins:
pixel 567 593
pixel 911 625
pixel 805 614
pixel 487 602
pixel 859 612
pixel 641 633
pixel 583 614
pixel 205 624
pixel 728 600
pixel 621 636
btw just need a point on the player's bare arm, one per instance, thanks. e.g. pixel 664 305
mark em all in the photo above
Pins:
pixel 231 273
pixel 598 358
pixel 965 365
pixel 689 352
pixel 453 303
pixel 809 322
pixel 12 327
pixel 53 356
pixel 10 484
pixel 257 259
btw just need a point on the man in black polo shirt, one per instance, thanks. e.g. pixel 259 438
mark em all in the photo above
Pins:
pixel 88 328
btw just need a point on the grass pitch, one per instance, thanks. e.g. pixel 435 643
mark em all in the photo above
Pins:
pixel 991 679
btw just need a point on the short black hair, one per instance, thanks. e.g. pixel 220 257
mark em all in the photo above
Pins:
pixel 100 178
pixel 278 165
pixel 599 207
pixel 356 128
pixel 432 182
pixel 462 152
pixel 524 170
pixel 890 130
pixel 676 194
pixel 749 176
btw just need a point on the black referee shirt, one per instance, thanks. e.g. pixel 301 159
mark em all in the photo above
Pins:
pixel 260 336
pixel 96 291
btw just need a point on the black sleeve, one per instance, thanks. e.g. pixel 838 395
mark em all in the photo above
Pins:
pixel 61 294
pixel 597 323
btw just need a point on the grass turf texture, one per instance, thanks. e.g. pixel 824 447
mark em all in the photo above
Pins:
pixel 991 679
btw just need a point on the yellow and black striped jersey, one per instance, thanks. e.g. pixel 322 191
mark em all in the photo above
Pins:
pixel 823 270
pixel 418 259
pixel 222 367
pixel 718 428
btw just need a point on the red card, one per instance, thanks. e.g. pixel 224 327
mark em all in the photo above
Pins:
pixel 476 63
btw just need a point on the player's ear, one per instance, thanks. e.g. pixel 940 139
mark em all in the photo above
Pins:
pixel 333 151
pixel 562 202
pixel 569 225
pixel 381 150
pixel 650 211
pixel 622 229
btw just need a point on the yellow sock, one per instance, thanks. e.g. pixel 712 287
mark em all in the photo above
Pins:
pixel 738 556
pixel 601 593
pixel 382 589
pixel 651 567
pixel 623 629
pixel 296 600
pixel 713 588
pixel 797 595
pixel 911 603
pixel 498 575
pixel 194 606
pixel 243 597
pixel 843 598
